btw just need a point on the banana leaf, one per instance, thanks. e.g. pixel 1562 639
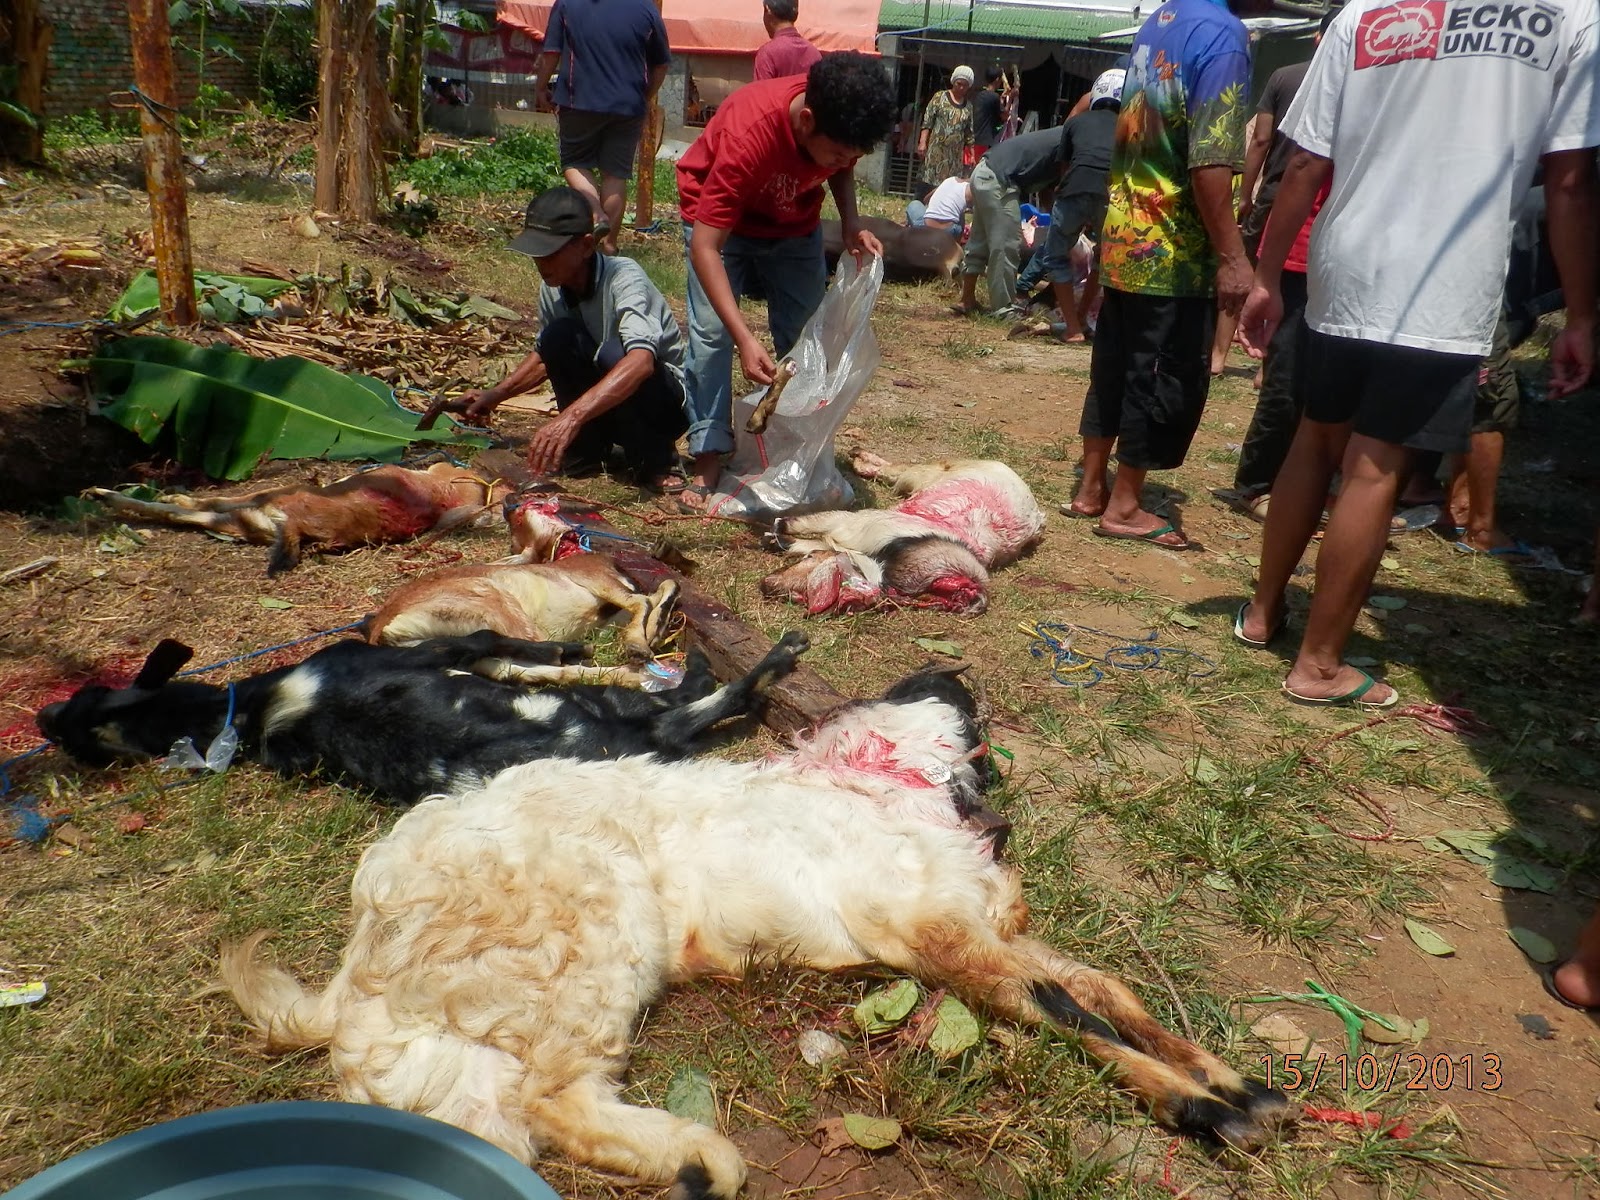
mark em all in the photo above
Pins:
pixel 224 412
pixel 234 291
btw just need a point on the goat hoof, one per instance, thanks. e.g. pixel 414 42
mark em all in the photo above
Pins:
pixel 795 642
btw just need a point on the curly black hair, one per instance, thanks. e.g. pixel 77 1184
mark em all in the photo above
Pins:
pixel 851 98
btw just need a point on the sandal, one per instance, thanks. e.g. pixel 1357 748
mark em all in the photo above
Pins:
pixel 1354 698
pixel 1238 628
pixel 670 482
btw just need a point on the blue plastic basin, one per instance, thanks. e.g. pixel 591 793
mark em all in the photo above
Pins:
pixel 304 1149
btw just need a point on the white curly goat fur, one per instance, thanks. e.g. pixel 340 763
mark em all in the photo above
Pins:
pixel 507 940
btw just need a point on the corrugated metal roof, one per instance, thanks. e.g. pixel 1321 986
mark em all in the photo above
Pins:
pixel 1028 22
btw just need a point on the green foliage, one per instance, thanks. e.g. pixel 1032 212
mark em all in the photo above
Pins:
pixel 286 72
pixel 84 129
pixel 523 161
pixel 224 411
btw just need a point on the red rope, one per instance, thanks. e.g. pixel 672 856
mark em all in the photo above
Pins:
pixel 1361 1120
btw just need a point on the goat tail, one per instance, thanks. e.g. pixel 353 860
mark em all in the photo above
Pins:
pixel 289 1017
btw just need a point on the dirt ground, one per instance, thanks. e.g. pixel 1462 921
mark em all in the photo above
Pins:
pixel 1511 1080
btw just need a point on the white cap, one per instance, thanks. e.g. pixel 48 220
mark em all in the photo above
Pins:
pixel 962 75
pixel 1108 87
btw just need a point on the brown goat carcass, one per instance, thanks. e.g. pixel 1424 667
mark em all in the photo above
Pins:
pixel 369 508
pixel 549 590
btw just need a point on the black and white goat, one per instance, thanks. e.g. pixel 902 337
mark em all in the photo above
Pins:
pixel 507 939
pixel 406 721
pixel 960 519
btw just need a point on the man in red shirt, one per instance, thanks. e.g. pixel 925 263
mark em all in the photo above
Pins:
pixel 750 191
pixel 788 53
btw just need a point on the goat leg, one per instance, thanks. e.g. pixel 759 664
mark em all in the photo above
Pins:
pixel 675 729
pixel 768 404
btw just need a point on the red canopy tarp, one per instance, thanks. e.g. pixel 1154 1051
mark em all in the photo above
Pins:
pixel 505 48
pixel 724 27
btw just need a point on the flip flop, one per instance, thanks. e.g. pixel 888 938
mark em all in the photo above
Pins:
pixel 1548 978
pixel 1350 699
pixel 961 310
pixel 1066 510
pixel 1238 629
pixel 1153 536
pixel 1415 518
pixel 1517 549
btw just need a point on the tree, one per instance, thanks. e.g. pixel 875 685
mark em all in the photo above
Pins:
pixel 355 119
pixel 411 24
pixel 24 54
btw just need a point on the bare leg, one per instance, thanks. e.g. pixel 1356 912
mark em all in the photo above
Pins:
pixel 1298 497
pixel 1475 479
pixel 1094 492
pixel 1226 325
pixel 1356 535
pixel 582 182
pixel 1091 292
pixel 969 293
pixel 1067 303
pixel 613 199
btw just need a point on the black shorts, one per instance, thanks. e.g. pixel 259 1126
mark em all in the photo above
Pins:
pixel 1149 376
pixel 589 140
pixel 1397 394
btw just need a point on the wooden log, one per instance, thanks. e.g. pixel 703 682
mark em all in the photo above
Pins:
pixel 163 159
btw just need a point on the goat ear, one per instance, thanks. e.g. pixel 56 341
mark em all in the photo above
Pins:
pixel 164 662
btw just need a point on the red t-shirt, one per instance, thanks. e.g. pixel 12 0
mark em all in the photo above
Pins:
pixel 745 172
pixel 1300 252
pixel 787 53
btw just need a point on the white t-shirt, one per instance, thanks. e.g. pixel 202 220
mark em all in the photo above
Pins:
pixel 1435 113
pixel 949 200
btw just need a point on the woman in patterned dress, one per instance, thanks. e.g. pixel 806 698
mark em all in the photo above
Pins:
pixel 947 130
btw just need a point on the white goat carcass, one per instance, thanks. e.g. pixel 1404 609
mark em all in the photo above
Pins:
pixel 960 519
pixel 507 940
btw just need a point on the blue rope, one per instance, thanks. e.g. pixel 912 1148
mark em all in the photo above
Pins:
pixel 228 662
pixel 1076 668
pixel 24 326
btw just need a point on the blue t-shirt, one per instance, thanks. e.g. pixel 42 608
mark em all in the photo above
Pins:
pixel 607 48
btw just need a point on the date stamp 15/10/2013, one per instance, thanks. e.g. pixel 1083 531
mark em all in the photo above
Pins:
pixel 1368 1073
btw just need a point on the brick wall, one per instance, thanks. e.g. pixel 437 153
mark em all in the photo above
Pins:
pixel 90 58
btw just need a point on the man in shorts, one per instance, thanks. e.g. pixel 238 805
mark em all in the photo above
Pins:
pixel 1392 338
pixel 1170 258
pixel 613 56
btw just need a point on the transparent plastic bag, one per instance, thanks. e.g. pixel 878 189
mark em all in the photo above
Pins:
pixel 789 468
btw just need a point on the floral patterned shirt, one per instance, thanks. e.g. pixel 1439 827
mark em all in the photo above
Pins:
pixel 1184 105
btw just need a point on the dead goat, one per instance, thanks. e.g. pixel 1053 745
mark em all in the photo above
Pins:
pixel 542 593
pixel 960 519
pixel 508 939
pixel 384 504
pixel 405 722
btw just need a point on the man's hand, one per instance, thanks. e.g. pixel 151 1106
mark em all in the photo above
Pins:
pixel 473 408
pixel 1234 276
pixel 1571 359
pixel 1259 319
pixel 545 97
pixel 757 363
pixel 863 244
pixel 549 446
pixel 1245 209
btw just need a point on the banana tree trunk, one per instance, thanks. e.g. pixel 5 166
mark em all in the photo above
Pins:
pixel 24 48
pixel 353 110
